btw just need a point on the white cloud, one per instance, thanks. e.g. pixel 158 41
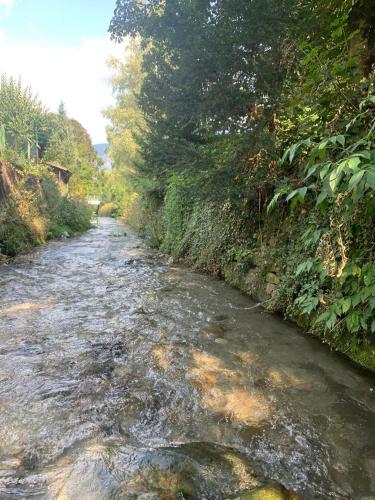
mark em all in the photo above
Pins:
pixel 76 75
pixel 8 4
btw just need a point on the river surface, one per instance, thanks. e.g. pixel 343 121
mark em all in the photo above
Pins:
pixel 124 376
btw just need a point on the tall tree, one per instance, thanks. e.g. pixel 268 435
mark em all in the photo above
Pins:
pixel 21 112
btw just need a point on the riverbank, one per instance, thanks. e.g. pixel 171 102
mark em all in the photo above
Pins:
pixel 271 258
pixel 262 170
pixel 33 210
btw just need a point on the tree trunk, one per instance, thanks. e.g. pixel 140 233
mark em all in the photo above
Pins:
pixel 362 44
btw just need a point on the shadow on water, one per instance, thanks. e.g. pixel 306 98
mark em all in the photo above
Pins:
pixel 124 377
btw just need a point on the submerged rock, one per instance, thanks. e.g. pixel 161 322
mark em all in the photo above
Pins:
pixel 271 492
pixel 138 310
pixel 190 470
pixel 215 329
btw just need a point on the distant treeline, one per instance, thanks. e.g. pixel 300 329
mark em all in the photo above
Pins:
pixel 31 133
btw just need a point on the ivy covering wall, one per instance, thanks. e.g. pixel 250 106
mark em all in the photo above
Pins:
pixel 249 132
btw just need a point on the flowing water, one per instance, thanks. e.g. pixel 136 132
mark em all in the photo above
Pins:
pixel 122 376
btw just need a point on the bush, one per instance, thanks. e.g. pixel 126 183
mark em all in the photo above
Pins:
pixel 21 227
pixel 108 210
pixel 36 212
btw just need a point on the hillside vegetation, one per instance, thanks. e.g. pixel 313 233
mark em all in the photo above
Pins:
pixel 243 141
pixel 33 207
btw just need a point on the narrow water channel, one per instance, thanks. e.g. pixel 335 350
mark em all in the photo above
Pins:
pixel 122 376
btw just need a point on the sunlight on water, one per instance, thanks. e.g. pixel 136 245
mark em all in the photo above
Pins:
pixel 124 377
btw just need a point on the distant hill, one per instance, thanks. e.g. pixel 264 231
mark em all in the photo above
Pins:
pixel 101 150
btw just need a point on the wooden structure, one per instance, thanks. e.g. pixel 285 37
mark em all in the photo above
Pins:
pixel 62 174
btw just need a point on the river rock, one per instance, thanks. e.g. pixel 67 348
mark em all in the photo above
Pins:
pixel 221 341
pixel 272 492
pixel 215 329
pixel 138 310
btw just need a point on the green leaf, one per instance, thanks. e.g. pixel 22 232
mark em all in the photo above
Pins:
pixel 370 179
pixel 323 195
pixel 356 179
pixel 363 320
pixel 310 304
pixel 302 192
pixel 356 299
pixel 334 179
pixel 351 269
pixel 304 266
pixel 273 202
pixel 292 195
pixel 356 145
pixel 323 317
pixel 331 321
pixel 346 305
pixel 341 139
pixel 364 154
pixel 311 171
pixel 322 148
pixel 297 196
pixel 353 162
pixel 373 326
pixel 324 170
pixel 369 275
pixel 292 151
pixel 365 294
pixel 352 322
pixel 285 155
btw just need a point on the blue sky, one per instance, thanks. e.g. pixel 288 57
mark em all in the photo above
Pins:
pixel 60 48
pixel 60 22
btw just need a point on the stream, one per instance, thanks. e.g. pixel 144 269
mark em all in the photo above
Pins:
pixel 124 376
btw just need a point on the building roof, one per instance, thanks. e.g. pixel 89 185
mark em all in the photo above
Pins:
pixel 58 167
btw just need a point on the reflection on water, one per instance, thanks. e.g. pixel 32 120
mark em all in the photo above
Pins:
pixel 124 377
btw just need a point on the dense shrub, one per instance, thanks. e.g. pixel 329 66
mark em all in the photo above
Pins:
pixel 36 212
pixel 108 210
